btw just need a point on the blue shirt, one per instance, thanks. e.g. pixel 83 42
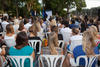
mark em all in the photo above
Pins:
pixel 25 51
pixel 73 26
pixel 78 51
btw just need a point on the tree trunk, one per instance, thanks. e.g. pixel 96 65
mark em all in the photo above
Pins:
pixel 67 11
pixel 17 13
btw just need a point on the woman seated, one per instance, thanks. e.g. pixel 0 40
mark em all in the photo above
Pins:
pixel 87 48
pixel 94 30
pixel 75 39
pixel 39 30
pixel 53 47
pixel 21 27
pixel 33 36
pixel 33 33
pixel 22 48
pixel 55 29
pixel 9 38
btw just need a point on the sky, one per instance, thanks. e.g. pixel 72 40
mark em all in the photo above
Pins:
pixel 92 3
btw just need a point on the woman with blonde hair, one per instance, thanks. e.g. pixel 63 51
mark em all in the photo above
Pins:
pixel 53 42
pixel 88 47
pixel 52 47
pixel 94 30
pixel 33 36
pixel 32 31
pixel 21 27
pixel 9 38
pixel 39 29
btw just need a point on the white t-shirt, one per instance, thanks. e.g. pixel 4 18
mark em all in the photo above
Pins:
pixel 66 32
pixel 75 41
pixel 27 25
pixel 15 28
pixel 40 34
pixel 10 40
pixel 4 24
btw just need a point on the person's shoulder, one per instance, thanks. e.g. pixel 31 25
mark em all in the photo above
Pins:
pixel 79 36
pixel 6 22
pixel 11 48
pixel 61 29
pixel 38 38
pixel 28 47
pixel 34 38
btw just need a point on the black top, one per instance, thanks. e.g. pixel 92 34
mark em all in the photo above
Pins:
pixel 37 45
pixel 60 37
pixel 34 38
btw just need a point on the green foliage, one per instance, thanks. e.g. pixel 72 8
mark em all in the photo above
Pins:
pixel 57 6
pixel 22 7
pixel 19 7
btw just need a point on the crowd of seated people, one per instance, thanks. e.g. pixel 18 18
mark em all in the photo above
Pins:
pixel 80 37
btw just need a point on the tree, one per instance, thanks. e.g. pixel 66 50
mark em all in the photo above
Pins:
pixel 57 6
pixel 19 6
pixel 33 4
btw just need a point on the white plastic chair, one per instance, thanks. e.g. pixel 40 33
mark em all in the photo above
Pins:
pixel 33 43
pixel 52 60
pixel 61 43
pixel 88 63
pixel 16 60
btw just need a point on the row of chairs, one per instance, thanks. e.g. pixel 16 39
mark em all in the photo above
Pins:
pixel 52 60
pixel 33 44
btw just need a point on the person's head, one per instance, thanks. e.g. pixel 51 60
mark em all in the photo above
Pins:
pixel 88 42
pixel 33 30
pixel 91 21
pixel 26 21
pixel 9 29
pixel 5 18
pixel 21 26
pixel 54 29
pixel 20 18
pixel 94 30
pixel 66 23
pixel 21 39
pixel 75 31
pixel 16 21
pixel 11 19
